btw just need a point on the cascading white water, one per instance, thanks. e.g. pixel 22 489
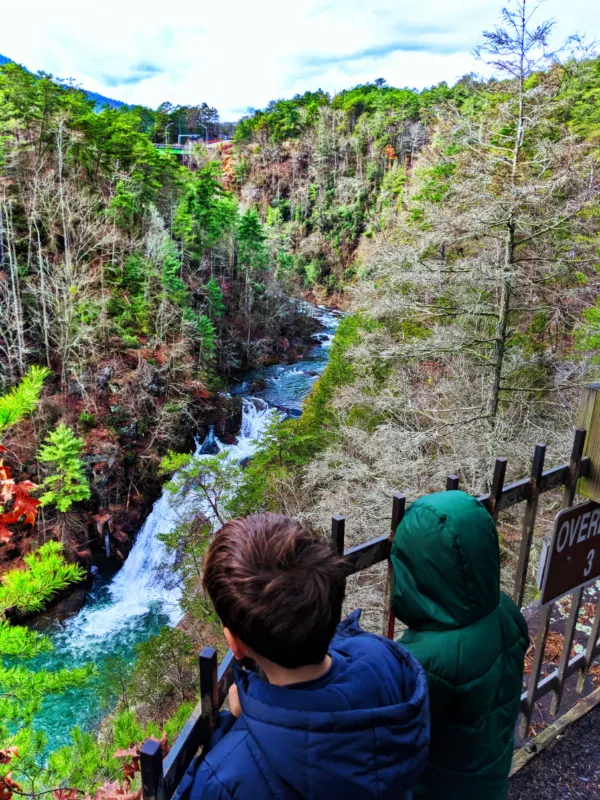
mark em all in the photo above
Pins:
pixel 136 588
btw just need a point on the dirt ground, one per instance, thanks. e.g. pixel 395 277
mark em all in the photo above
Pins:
pixel 570 768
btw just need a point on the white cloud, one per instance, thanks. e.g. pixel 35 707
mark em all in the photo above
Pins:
pixel 240 54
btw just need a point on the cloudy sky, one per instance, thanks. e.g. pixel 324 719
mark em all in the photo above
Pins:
pixel 242 53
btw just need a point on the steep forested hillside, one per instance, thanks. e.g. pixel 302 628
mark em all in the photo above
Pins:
pixel 131 288
pixel 138 282
pixel 457 228
pixel 472 294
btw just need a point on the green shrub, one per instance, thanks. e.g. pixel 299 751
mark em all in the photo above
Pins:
pixel 46 573
pixel 67 484
pixel 87 421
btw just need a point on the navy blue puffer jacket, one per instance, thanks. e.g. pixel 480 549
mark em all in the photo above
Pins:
pixel 359 731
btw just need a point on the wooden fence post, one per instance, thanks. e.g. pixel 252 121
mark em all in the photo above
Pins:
pixel 537 469
pixel 151 763
pixel 209 692
pixel 398 509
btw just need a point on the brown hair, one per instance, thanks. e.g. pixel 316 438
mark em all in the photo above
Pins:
pixel 278 586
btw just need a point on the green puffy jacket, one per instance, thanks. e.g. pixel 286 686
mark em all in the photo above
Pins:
pixel 470 638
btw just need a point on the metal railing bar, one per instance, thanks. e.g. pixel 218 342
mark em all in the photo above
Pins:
pixel 160 779
pixel 574 467
pixel 338 533
pixel 537 470
pixel 497 486
pixel 190 738
pixel 452 483
pixel 592 644
pixel 153 786
pixel 519 491
pixel 367 554
pixel 209 689
pixel 566 651
pixel 225 675
pixel 568 500
pixel 550 681
pixel 536 667
pixel 389 619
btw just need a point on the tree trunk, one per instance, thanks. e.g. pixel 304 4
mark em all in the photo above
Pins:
pixel 14 279
pixel 501 334
pixel 43 294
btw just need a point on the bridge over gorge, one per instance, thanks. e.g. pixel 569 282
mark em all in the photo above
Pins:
pixel 187 145
pixel 556 677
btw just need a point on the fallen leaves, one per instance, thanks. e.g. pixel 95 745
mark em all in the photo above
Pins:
pixel 594 673
pixel 552 650
pixel 586 614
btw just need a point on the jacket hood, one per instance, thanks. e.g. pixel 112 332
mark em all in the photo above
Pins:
pixel 446 563
pixel 360 731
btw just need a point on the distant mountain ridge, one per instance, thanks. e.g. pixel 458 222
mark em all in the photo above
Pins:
pixel 99 99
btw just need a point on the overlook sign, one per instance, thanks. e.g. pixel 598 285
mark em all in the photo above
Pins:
pixel 573 557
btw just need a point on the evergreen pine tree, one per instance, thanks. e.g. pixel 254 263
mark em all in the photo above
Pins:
pixel 22 690
pixel 214 298
pixel 251 237
pixel 23 399
pixel 67 484
pixel 252 255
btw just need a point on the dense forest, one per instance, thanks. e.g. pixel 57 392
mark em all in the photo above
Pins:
pixel 455 227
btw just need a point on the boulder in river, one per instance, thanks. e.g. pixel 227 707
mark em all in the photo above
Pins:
pixel 209 445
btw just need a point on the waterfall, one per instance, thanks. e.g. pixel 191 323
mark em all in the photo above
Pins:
pixel 137 589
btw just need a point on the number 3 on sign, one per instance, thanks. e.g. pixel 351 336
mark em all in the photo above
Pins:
pixel 590 557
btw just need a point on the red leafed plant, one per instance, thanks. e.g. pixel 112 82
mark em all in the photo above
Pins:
pixel 7 785
pixel 15 503
pixel 65 794
pixel 116 791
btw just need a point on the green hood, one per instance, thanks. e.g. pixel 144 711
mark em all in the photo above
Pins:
pixel 446 563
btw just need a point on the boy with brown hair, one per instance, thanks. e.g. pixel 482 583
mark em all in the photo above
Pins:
pixel 342 713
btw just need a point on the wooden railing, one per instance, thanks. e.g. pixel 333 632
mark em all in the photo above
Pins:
pixel 160 779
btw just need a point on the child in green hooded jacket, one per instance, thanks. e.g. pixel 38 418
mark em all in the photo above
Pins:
pixel 470 638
